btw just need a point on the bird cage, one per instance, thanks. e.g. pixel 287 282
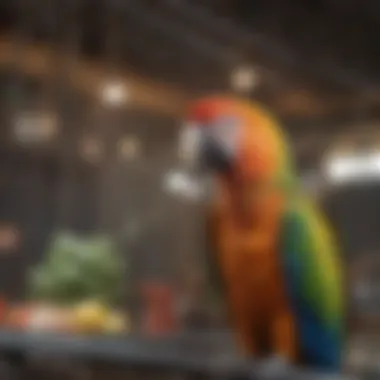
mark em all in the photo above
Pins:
pixel 85 146
pixel 89 133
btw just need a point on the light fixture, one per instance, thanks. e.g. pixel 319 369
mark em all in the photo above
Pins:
pixel 244 79
pixel 114 93
pixel 35 127
pixel 129 147
pixel 354 168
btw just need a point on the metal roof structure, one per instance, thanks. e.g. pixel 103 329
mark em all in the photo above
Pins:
pixel 316 61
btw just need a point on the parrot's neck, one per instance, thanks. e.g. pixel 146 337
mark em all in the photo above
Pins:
pixel 236 193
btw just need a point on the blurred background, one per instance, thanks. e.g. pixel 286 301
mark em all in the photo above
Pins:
pixel 91 97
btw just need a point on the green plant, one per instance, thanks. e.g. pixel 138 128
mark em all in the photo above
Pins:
pixel 77 268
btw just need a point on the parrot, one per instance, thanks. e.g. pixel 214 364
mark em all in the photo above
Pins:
pixel 273 255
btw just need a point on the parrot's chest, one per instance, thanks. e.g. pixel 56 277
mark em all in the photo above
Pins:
pixel 250 261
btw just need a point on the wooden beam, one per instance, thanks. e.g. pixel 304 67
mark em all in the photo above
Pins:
pixel 307 104
pixel 89 76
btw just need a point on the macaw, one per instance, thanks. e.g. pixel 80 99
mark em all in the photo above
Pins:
pixel 273 253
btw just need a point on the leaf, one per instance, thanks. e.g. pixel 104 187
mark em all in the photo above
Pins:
pixel 80 268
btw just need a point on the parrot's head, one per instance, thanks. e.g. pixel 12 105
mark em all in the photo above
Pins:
pixel 231 139
pixel 211 136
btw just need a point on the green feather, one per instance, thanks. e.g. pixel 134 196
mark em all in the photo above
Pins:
pixel 317 254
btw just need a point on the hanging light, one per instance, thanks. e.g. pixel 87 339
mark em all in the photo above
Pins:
pixel 353 168
pixel 245 79
pixel 114 93
pixel 35 127
pixel 129 147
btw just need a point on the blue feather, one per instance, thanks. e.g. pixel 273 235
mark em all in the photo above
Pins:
pixel 320 347
pixel 319 343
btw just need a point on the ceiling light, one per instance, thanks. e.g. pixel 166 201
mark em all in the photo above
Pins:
pixel 35 127
pixel 244 79
pixel 114 93
pixel 375 162
pixel 129 147
pixel 339 169
pixel 353 168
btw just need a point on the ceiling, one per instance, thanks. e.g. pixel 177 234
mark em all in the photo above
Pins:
pixel 317 60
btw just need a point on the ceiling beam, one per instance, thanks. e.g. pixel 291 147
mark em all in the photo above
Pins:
pixel 89 77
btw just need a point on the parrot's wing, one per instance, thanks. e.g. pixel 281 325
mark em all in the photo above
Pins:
pixel 314 282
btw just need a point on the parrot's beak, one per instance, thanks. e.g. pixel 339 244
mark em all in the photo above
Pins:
pixel 199 151
pixel 190 180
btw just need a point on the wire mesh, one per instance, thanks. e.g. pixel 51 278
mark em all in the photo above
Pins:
pixel 81 177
